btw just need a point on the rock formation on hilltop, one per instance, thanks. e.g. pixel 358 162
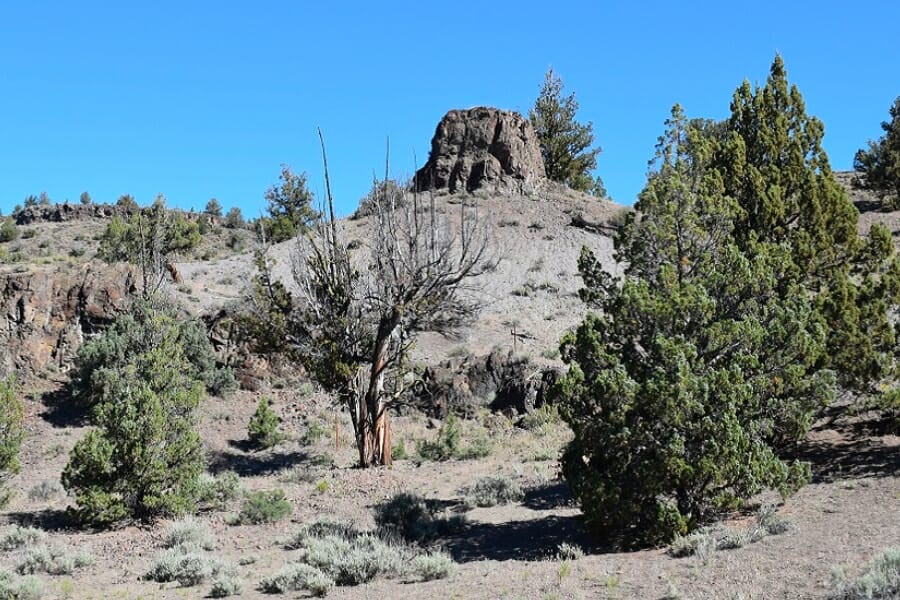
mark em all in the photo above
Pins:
pixel 483 148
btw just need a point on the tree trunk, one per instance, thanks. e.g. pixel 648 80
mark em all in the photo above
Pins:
pixel 377 430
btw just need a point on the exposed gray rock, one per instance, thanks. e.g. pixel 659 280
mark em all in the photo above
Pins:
pixel 483 148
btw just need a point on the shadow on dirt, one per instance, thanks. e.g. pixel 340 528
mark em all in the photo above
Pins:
pixel 61 409
pixel 548 497
pixel 51 519
pixel 533 540
pixel 248 464
pixel 854 459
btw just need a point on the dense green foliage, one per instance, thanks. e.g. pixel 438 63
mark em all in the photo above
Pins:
pixel 290 207
pixel 264 506
pixel 144 458
pixel 11 433
pixel 747 301
pixel 234 219
pixel 213 208
pixel 565 143
pixel 148 324
pixel 147 234
pixel 263 428
pixel 880 164
pixel 8 231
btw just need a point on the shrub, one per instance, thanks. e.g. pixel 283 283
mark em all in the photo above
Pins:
pixel 12 418
pixel 448 444
pixel 493 490
pixel 8 231
pixel 144 458
pixel 45 491
pixel 17 536
pixel 226 585
pixel 263 428
pixel 187 565
pixel 13 587
pixel 540 419
pixel 298 577
pixel 264 506
pixel 879 579
pixel 146 325
pixel 409 516
pixel 437 565
pixel 52 560
pixel 188 531
pixel 567 551
pixel 216 491
pixel 708 539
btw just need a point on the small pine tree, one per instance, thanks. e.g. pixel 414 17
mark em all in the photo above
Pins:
pixel 85 198
pixel 127 203
pixel 213 208
pixel 11 434
pixel 44 199
pixel 234 219
pixel 879 166
pixel 145 456
pixel 31 200
pixel 565 143
pixel 263 428
pixel 290 207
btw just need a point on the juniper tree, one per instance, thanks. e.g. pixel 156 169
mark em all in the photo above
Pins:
pixel 11 434
pixel 879 166
pixel 565 143
pixel 213 208
pixel 145 456
pixel 290 206
pixel 744 277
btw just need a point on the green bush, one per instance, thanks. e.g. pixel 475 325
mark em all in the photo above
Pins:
pixel 12 418
pixel 409 516
pixel 226 585
pixel 145 456
pixel 13 587
pixel 146 325
pixel 188 531
pixel 17 537
pixel 264 506
pixel 216 491
pixel 493 490
pixel 52 560
pixel 448 444
pixel 8 231
pixel 298 577
pixel 263 428
pixel 434 566
pixel 879 579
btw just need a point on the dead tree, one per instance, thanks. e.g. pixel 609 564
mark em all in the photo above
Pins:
pixel 359 318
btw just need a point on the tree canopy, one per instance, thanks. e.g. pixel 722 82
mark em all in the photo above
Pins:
pixel 565 143
pixel 879 166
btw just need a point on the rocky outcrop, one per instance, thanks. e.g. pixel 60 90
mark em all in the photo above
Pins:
pixel 483 148
pixel 59 213
pixel 498 381
pixel 45 316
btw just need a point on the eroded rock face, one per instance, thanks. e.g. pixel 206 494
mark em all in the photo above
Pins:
pixel 44 316
pixel 483 148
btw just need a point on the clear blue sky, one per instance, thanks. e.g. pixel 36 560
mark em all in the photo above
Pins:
pixel 206 99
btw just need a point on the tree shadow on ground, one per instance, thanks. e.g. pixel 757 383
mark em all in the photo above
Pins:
pixel 548 497
pixel 832 461
pixel 248 464
pixel 62 410
pixel 50 519
pixel 533 540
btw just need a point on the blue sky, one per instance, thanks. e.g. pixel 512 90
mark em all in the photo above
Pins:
pixel 206 99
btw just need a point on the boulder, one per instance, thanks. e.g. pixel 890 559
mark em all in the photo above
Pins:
pixel 483 148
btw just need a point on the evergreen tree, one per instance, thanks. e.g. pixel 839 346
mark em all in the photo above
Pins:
pixel 145 456
pixel 213 208
pixel 879 166
pixel 263 428
pixel 85 198
pixel 565 143
pixel 234 219
pixel 290 206
pixel 748 300
pixel 12 419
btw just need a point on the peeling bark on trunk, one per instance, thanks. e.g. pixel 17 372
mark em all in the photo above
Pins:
pixel 375 445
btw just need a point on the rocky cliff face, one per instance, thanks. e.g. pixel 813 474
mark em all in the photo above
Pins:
pixel 45 315
pixel 483 148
